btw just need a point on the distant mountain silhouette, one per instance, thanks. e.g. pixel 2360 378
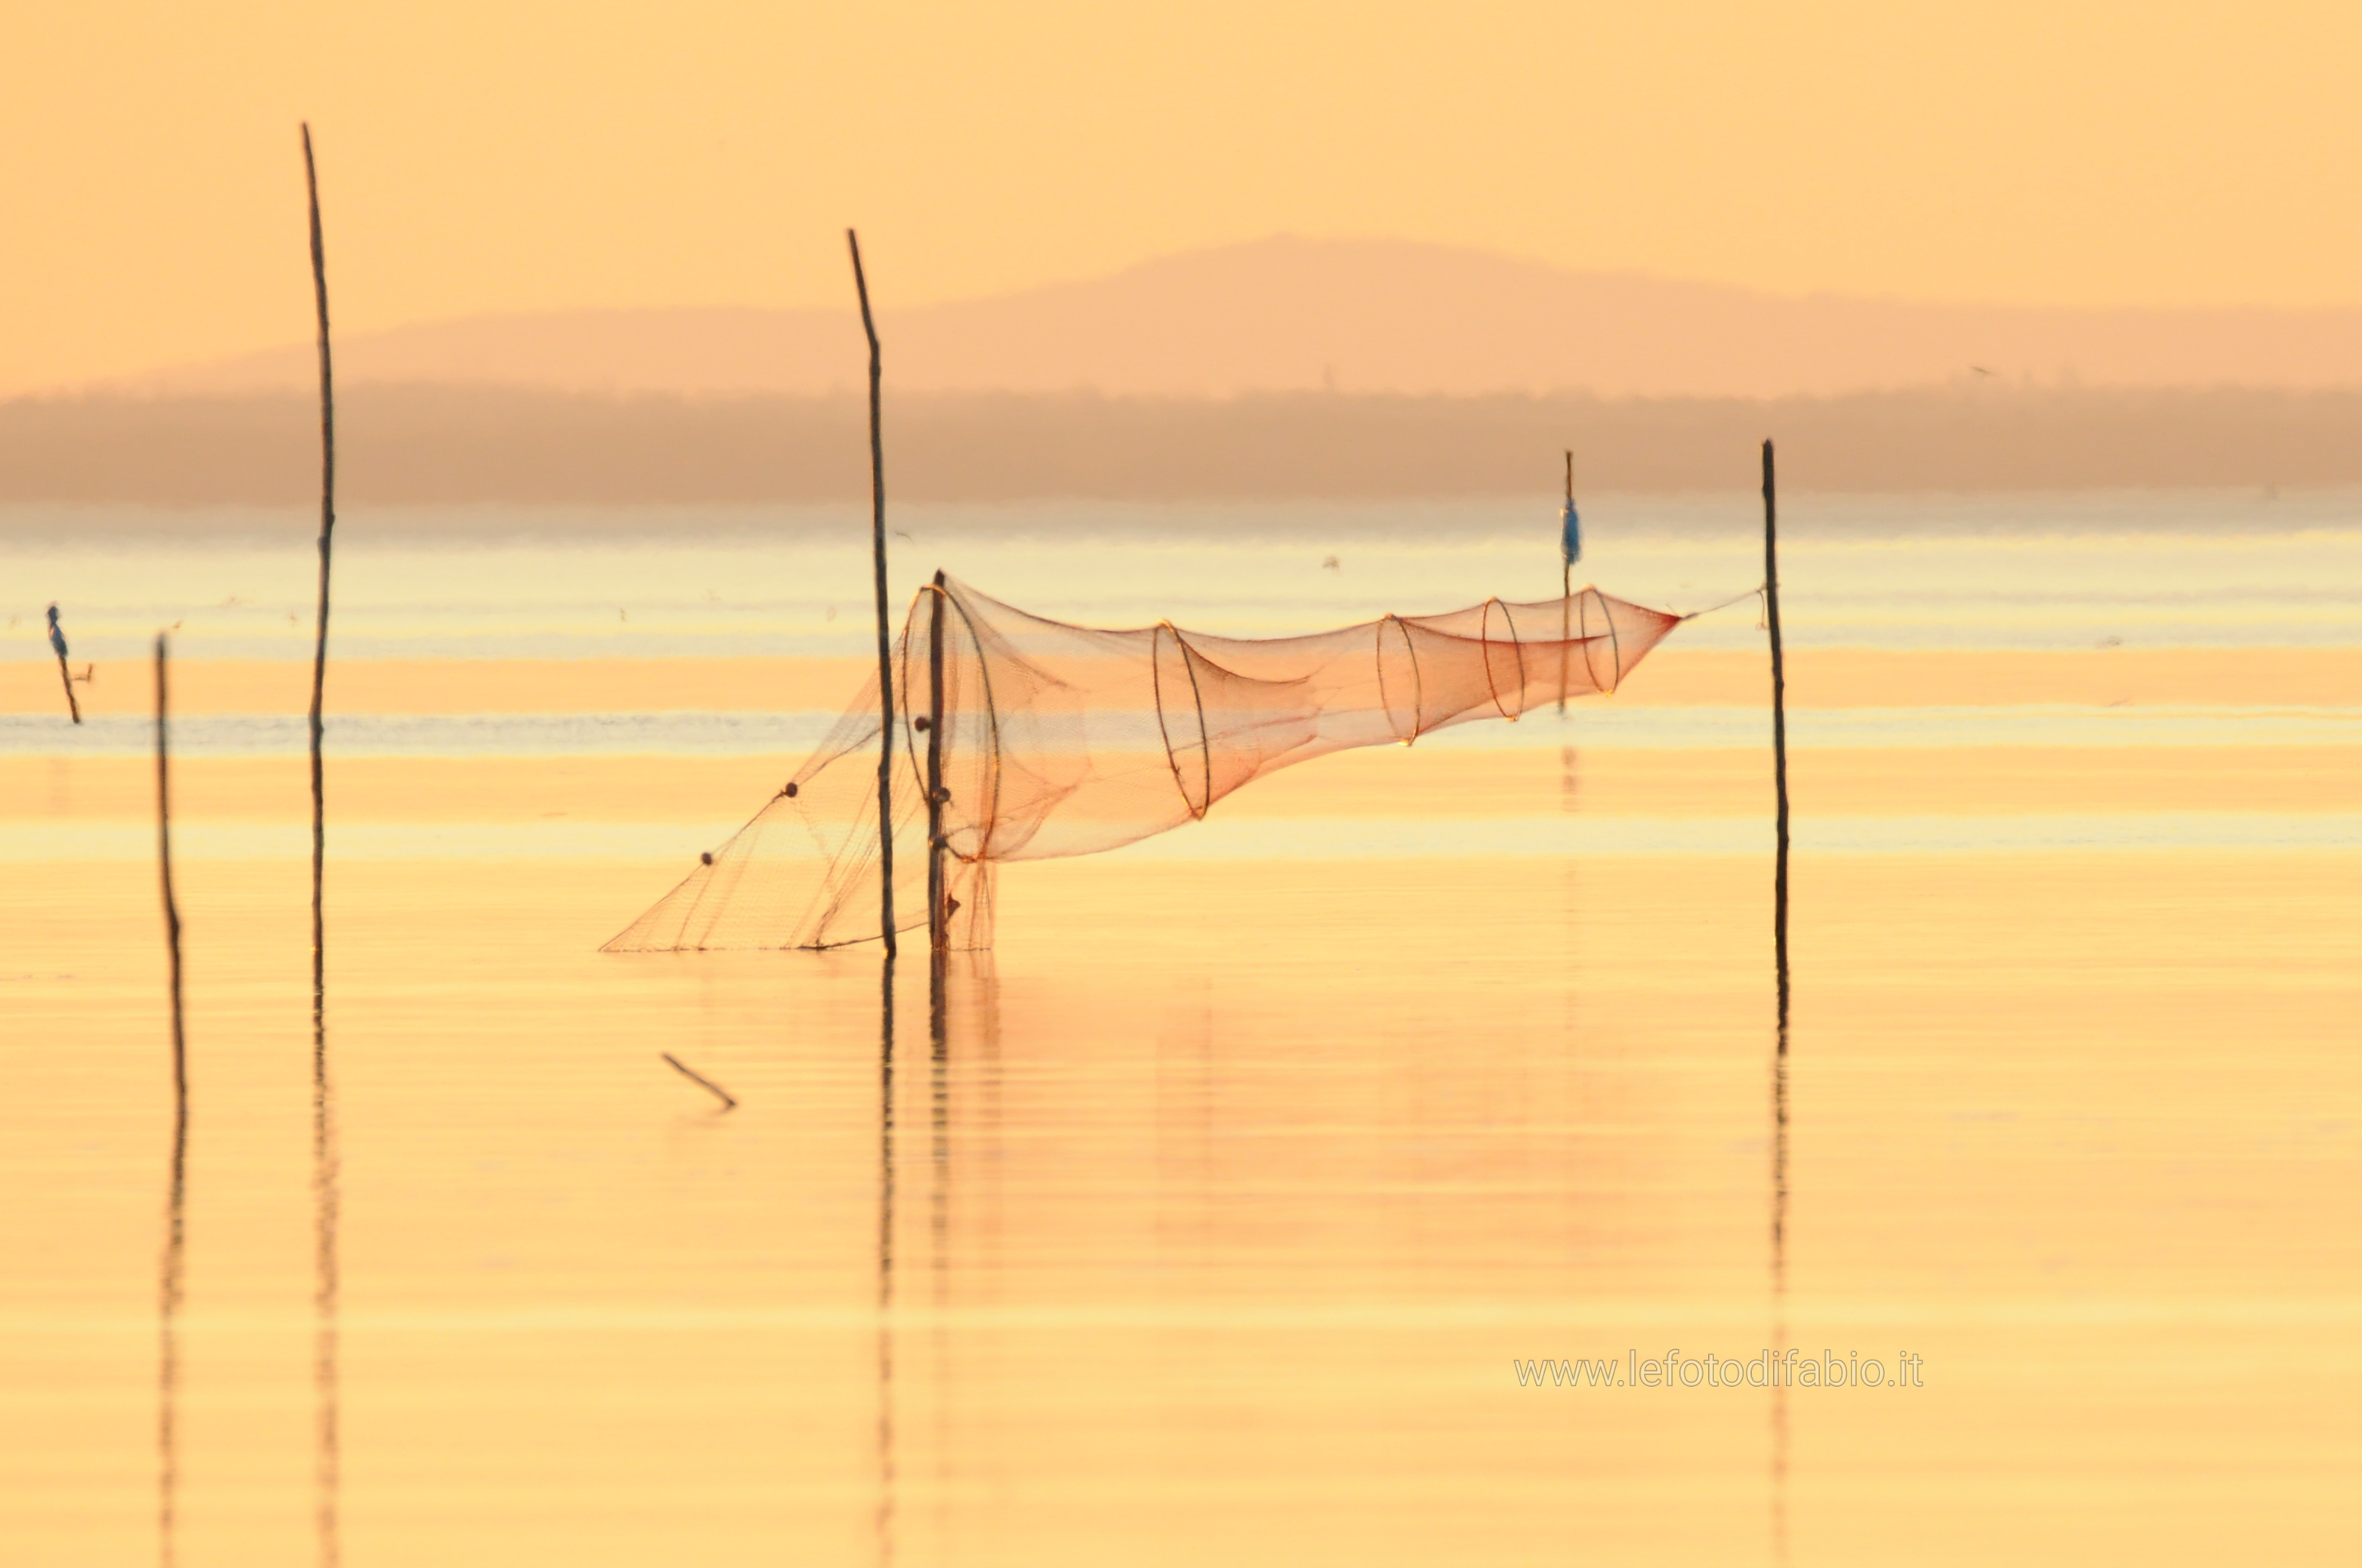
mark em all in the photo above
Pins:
pixel 1363 316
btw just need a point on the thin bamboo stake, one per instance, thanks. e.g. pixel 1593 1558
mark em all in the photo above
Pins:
pixel 327 1459
pixel 938 919
pixel 1779 734
pixel 328 533
pixel 885 660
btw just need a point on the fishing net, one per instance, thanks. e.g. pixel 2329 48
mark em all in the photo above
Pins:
pixel 1037 739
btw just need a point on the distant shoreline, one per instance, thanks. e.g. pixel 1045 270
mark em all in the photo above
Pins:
pixel 422 445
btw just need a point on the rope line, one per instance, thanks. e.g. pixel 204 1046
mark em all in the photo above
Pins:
pixel 1754 592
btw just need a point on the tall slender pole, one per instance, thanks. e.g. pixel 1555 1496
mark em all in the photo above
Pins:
pixel 938 918
pixel 327 1465
pixel 168 1377
pixel 327 533
pixel 1779 734
pixel 885 658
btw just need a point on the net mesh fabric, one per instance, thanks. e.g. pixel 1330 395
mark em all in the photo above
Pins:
pixel 1052 739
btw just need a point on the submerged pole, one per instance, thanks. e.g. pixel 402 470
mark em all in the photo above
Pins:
pixel 885 659
pixel 328 533
pixel 1779 735
pixel 938 918
pixel 168 1377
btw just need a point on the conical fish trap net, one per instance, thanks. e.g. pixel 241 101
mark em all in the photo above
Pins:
pixel 1049 739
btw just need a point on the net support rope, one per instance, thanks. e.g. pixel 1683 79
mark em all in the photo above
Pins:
pixel 1036 738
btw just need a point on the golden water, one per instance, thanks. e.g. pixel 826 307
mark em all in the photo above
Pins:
pixel 1206 1218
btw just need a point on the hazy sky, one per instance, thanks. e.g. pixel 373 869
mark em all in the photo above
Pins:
pixel 482 155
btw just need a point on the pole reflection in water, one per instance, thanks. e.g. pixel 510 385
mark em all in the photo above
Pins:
pixel 326 1473
pixel 929 1378
pixel 939 1227
pixel 886 1262
pixel 939 1065
pixel 1780 1280
pixel 982 1164
pixel 168 1378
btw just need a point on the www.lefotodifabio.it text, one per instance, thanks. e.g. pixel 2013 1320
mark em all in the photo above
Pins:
pixel 1766 1369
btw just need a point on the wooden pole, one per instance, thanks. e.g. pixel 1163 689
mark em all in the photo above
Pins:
pixel 65 674
pixel 885 658
pixel 164 862
pixel 327 533
pixel 327 1464
pixel 938 919
pixel 1779 734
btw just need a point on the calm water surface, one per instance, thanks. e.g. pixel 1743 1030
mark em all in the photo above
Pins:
pixel 1211 1217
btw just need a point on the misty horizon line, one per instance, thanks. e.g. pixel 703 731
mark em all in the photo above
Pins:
pixel 493 445
pixel 1362 316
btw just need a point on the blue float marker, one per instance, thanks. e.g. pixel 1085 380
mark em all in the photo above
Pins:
pixel 1570 550
pixel 1570 527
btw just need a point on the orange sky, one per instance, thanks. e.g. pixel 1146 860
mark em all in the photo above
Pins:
pixel 482 155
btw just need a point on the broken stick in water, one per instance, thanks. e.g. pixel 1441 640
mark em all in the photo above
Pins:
pixel 729 1100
